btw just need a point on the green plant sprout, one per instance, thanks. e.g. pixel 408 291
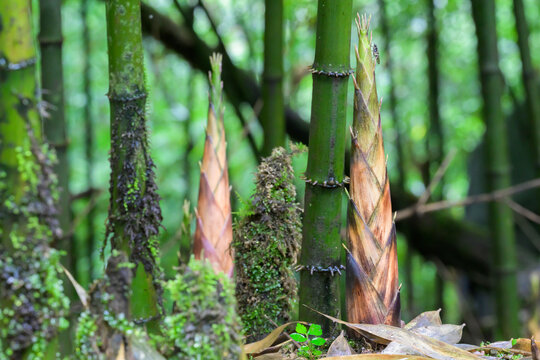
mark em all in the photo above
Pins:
pixel 309 340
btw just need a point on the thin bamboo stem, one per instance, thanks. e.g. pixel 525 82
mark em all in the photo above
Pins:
pixel 273 111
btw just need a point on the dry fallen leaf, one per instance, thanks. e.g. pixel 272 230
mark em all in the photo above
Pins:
pixel 377 357
pixel 427 318
pixel 258 346
pixel 521 344
pixel 81 292
pixel 339 347
pixel 384 334
pixel 534 349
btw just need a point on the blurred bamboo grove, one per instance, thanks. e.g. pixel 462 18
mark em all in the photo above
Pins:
pixel 458 81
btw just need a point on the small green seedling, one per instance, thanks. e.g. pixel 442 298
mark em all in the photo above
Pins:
pixel 309 340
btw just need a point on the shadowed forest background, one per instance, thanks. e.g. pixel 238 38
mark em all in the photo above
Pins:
pixel 431 113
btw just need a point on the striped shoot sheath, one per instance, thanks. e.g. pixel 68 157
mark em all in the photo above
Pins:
pixel 372 268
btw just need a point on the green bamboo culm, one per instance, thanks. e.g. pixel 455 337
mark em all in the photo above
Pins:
pixel 435 140
pixel 273 111
pixel 54 124
pixel 497 170
pixel 85 275
pixel 528 73
pixel 134 211
pixel 321 244
pixel 32 305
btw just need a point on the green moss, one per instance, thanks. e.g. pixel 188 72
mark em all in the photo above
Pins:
pixel 266 244
pixel 103 324
pixel 85 336
pixel 203 324
pixel 33 306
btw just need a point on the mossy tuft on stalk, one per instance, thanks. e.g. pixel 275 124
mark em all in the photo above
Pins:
pixel 266 245
pixel 204 323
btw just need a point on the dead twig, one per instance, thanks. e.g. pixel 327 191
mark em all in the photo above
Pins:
pixel 96 193
pixel 473 199
pixel 437 178
pixel 521 210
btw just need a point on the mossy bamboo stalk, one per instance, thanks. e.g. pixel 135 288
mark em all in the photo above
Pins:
pixel 273 111
pixel 372 268
pixel 529 76
pixel 321 246
pixel 28 221
pixel 213 234
pixel 134 212
pixel 497 169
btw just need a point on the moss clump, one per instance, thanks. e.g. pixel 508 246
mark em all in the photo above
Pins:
pixel 104 326
pixel 266 245
pixel 203 324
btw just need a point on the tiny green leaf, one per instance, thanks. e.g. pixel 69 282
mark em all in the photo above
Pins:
pixel 303 351
pixel 301 329
pixel 298 337
pixel 318 341
pixel 315 330
pixel 317 352
pixel 514 342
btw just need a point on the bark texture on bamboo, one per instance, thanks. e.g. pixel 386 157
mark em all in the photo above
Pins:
pixel 32 302
pixel 213 234
pixel 372 268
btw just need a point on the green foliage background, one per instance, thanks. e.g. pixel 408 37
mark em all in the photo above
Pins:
pixel 240 23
